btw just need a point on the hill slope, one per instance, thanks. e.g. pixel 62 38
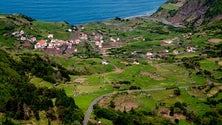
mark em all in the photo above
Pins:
pixel 190 12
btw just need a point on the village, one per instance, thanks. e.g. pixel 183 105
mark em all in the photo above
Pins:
pixel 101 44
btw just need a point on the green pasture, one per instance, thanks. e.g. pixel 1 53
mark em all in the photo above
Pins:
pixel 87 66
pixel 208 65
pixel 84 100
pixel 39 82
pixel 56 28
pixel 170 6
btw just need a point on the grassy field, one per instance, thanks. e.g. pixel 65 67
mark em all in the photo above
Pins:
pixel 84 66
pixel 84 100
pixel 58 29
pixel 138 36
pixel 193 98
pixel 170 6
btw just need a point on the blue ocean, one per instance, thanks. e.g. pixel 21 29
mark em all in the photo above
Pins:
pixel 79 11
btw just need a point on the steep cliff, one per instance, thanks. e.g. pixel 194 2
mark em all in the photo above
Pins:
pixel 190 12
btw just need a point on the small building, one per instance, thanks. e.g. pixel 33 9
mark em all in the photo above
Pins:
pixel 83 36
pixel 15 33
pixel 69 30
pixel 100 45
pixel 168 41
pixel 112 39
pixel 166 50
pixel 118 39
pixel 97 42
pixel 190 49
pixel 23 38
pixel 175 52
pixel 71 41
pixel 33 39
pixel 149 54
pixel 50 36
pixel 41 44
pixel 50 45
pixel 77 41
pixel 125 63
pixel 75 50
pixel 105 62
pixel 136 63
pixel 22 32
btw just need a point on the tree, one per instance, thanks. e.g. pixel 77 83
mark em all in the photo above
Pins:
pixel 171 111
pixel 112 104
pixel 177 92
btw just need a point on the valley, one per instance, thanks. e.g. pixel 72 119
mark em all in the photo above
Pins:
pixel 141 70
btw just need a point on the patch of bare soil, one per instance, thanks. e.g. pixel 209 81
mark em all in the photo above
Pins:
pixel 220 63
pixel 121 102
pixel 104 102
pixel 212 92
pixel 152 75
pixel 125 103
pixel 218 17
pixel 166 113
pixel 1 17
pixel 215 40
pixel 80 80
pixel 220 87
pixel 180 3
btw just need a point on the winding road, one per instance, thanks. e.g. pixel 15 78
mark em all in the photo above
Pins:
pixel 162 20
pixel 90 108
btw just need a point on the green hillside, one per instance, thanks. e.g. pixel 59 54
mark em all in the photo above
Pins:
pixel 152 71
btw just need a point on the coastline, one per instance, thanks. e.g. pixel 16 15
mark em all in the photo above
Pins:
pixel 144 16
pixel 149 17
pixel 79 12
pixel 148 14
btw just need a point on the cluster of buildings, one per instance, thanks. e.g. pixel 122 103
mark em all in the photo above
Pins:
pixel 50 45
pixel 22 36
pixel 96 39
pixel 151 55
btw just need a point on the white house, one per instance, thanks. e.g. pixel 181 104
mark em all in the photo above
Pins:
pixel 112 39
pixel 50 36
pixel 22 32
pixel 23 38
pixel 149 54
pixel 105 62
pixel 168 41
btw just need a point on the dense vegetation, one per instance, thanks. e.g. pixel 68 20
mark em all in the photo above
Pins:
pixel 215 8
pixel 161 74
pixel 21 100
pixel 189 105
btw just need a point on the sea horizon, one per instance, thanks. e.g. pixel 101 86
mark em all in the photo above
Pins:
pixel 80 11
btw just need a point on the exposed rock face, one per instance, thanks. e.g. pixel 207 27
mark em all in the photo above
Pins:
pixel 192 12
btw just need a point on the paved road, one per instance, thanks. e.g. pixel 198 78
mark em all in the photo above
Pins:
pixel 89 111
pixel 90 108
pixel 164 21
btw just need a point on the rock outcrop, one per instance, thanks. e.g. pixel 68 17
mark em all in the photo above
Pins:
pixel 190 12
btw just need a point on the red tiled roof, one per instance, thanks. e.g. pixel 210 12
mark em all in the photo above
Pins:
pixel 41 42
